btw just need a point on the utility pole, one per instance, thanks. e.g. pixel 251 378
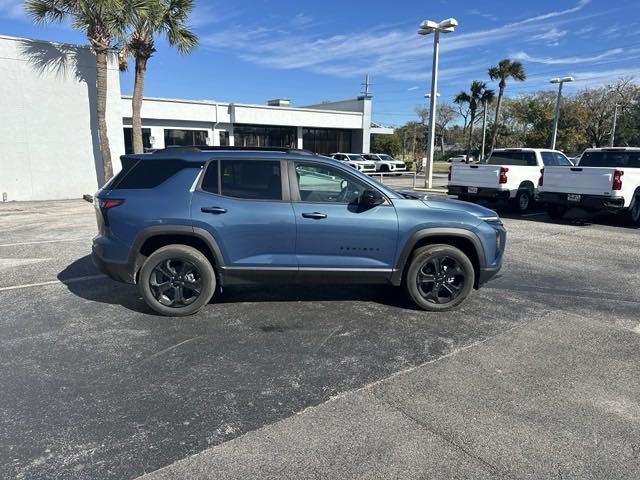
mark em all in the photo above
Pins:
pixel 613 129
pixel 366 85
pixel 484 130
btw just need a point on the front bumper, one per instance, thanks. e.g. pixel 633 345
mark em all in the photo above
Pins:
pixel 487 274
pixel 589 202
pixel 119 271
pixel 488 193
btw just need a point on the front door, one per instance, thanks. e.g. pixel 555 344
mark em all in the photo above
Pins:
pixel 244 204
pixel 334 234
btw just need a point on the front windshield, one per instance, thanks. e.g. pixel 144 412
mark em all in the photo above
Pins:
pixel 356 158
pixel 386 157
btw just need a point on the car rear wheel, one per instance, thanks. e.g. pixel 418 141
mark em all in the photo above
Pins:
pixel 633 214
pixel 439 277
pixel 177 280
pixel 523 201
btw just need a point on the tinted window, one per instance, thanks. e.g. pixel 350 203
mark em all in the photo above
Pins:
pixel 562 160
pixel 524 159
pixel 549 159
pixel 610 159
pixel 184 138
pixel 254 179
pixel 148 173
pixel 210 179
pixel 322 184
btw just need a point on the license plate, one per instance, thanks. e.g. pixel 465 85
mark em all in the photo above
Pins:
pixel 572 197
pixel 472 189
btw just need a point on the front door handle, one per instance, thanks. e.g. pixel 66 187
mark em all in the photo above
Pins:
pixel 315 215
pixel 214 210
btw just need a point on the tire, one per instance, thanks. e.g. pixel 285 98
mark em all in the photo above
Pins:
pixel 443 293
pixel 632 215
pixel 177 280
pixel 556 212
pixel 522 202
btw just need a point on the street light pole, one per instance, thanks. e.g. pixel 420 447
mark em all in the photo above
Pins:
pixel 484 130
pixel 556 118
pixel 613 129
pixel 426 28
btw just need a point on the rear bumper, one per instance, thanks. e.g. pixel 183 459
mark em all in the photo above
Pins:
pixel 489 193
pixel 119 271
pixel 592 202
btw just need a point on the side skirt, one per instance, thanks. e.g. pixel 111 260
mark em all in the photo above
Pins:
pixel 304 275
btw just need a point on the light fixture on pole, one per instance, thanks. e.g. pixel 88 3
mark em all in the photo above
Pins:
pixel 427 27
pixel 554 134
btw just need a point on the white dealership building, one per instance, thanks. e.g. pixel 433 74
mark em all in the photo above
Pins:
pixel 49 145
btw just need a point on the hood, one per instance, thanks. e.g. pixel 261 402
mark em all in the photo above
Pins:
pixel 446 203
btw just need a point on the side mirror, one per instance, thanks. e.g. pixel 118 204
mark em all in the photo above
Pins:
pixel 371 198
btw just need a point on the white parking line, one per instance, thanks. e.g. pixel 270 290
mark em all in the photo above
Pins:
pixel 53 282
pixel 42 241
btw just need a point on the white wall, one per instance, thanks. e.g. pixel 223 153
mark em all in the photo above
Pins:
pixel 47 150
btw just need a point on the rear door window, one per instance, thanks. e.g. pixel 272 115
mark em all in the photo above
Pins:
pixel 251 179
pixel 549 159
pixel 562 160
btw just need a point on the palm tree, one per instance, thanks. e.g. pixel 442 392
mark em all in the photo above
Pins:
pixel 102 21
pixel 478 95
pixel 166 17
pixel 503 71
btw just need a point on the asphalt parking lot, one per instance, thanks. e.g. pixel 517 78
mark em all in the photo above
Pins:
pixel 536 376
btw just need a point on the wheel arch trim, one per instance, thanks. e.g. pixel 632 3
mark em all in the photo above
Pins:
pixel 401 263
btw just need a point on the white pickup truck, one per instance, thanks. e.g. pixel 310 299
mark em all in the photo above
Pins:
pixel 510 174
pixel 605 179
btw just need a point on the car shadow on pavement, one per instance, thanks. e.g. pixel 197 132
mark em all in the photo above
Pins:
pixel 80 278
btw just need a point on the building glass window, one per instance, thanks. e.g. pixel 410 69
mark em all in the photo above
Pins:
pixel 326 141
pixel 128 139
pixel 224 138
pixel 265 136
pixel 184 138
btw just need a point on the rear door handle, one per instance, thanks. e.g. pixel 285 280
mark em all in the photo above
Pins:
pixel 214 210
pixel 315 215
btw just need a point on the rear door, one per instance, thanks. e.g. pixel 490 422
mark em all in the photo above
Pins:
pixel 333 233
pixel 244 204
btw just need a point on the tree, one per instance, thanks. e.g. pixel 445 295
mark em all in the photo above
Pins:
pixel 160 17
pixel 389 144
pixel 102 22
pixel 478 94
pixel 446 114
pixel 503 71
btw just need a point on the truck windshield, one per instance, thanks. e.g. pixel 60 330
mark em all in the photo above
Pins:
pixel 610 159
pixel 524 159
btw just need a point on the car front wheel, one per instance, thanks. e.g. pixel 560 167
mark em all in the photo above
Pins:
pixel 439 277
pixel 177 280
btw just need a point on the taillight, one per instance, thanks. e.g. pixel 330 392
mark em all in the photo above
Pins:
pixel 107 203
pixel 503 175
pixel 449 173
pixel 617 180
pixel 541 179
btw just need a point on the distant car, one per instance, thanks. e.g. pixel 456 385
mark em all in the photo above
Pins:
pixel 458 159
pixel 356 160
pixel 386 163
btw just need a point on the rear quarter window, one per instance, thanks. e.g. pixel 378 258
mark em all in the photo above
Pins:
pixel 146 174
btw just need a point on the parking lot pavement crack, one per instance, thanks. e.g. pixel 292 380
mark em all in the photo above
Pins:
pixel 166 350
pixel 425 426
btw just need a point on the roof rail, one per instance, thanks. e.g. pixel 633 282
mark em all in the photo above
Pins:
pixel 206 148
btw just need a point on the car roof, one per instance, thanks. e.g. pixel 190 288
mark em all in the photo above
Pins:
pixel 202 154
pixel 525 149
pixel 613 149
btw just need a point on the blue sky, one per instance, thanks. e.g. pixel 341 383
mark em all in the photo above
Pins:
pixel 252 51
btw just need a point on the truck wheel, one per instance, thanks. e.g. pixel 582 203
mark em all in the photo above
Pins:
pixel 523 201
pixel 633 214
pixel 177 280
pixel 439 277
pixel 556 212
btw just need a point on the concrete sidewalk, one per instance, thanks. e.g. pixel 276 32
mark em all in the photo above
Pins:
pixel 549 398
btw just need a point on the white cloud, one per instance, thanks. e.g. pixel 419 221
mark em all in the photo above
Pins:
pixel 566 60
pixel 385 50
pixel 550 35
pixel 300 20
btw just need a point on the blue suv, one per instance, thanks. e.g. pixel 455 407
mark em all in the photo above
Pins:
pixel 182 222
